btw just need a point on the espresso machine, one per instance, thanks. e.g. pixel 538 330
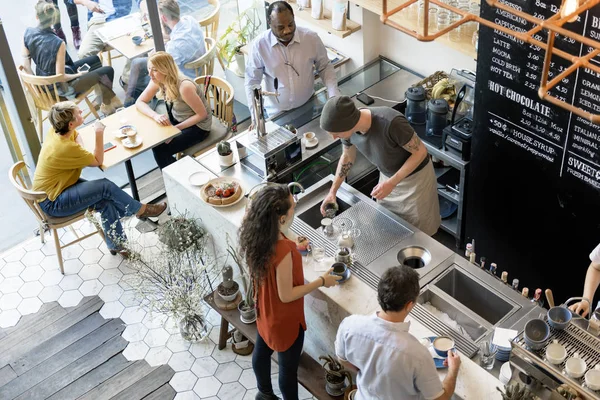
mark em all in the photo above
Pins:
pixel 546 380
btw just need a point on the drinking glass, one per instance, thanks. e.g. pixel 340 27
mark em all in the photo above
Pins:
pixel 432 23
pixel 318 253
pixel 454 34
pixel 443 20
pixel 487 352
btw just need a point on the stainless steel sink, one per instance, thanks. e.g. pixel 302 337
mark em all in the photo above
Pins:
pixel 479 298
pixel 312 216
pixel 466 323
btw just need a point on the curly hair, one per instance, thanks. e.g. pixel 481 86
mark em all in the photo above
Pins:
pixel 259 232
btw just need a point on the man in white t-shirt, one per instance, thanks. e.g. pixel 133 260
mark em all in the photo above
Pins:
pixel 390 362
pixel 592 280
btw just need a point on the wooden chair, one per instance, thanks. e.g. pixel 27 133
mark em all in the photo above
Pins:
pixel 205 64
pixel 43 92
pixel 220 98
pixel 210 24
pixel 32 198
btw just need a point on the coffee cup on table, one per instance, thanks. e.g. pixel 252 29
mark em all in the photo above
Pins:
pixel 340 269
pixel 309 136
pixel 137 40
pixel 131 134
pixel 442 345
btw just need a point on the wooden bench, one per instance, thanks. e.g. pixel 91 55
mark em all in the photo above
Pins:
pixel 310 373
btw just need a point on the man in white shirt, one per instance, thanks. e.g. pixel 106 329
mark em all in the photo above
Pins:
pixel 390 362
pixel 592 281
pixel 289 54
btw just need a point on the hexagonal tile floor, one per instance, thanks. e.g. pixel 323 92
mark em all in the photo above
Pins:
pixel 29 277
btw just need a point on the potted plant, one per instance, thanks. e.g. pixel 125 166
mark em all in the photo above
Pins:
pixel 246 307
pixel 228 289
pixel 335 376
pixel 237 35
pixel 175 280
pixel 225 153
pixel 241 344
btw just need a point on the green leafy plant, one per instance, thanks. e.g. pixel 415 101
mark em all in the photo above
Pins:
pixel 334 372
pixel 240 33
pixel 244 274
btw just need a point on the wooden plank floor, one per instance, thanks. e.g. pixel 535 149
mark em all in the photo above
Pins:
pixel 73 353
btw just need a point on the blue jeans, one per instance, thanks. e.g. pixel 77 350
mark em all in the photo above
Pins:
pixel 101 195
pixel 289 361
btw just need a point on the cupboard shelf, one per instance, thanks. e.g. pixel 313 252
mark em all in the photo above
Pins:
pixel 464 45
pixel 324 23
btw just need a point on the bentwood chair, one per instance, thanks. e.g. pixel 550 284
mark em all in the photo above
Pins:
pixel 43 93
pixel 210 24
pixel 219 94
pixel 16 175
pixel 205 64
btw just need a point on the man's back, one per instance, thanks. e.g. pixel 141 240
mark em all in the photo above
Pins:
pixel 392 362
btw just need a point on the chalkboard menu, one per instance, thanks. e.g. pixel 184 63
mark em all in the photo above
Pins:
pixel 533 189
pixel 515 113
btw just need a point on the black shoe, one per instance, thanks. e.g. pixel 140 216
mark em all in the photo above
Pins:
pixel 262 396
pixel 124 253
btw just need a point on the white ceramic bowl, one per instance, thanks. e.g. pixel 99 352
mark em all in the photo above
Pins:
pixel 575 367
pixel 592 378
pixel 505 373
pixel 556 353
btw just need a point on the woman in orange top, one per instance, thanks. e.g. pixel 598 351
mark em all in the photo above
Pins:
pixel 277 276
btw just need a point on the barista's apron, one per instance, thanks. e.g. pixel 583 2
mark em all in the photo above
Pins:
pixel 415 199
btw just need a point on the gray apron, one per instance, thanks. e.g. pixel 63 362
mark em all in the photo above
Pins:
pixel 415 199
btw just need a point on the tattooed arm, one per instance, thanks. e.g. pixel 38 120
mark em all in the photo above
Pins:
pixel 346 162
pixel 418 153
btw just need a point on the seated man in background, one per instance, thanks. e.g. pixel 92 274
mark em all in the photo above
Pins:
pixel 99 14
pixel 390 362
pixel 184 40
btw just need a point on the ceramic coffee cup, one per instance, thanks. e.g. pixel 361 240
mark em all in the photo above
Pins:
pixel 575 366
pixel 309 136
pixel 137 40
pixel 556 353
pixel 131 134
pixel 592 378
pixel 340 269
pixel 536 333
pixel 443 344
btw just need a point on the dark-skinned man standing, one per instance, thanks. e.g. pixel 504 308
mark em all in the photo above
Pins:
pixel 407 184
pixel 289 54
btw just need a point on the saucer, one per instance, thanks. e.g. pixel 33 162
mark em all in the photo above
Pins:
pixel 311 144
pixel 199 178
pixel 438 361
pixel 246 321
pixel 127 143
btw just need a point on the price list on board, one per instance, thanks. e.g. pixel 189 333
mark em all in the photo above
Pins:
pixel 509 72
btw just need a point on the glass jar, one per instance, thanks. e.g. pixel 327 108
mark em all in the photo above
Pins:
pixel 454 34
pixel 421 13
pixel 432 25
pixel 443 20
pixel 475 40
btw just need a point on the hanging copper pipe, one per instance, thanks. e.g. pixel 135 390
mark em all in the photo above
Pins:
pixel 554 25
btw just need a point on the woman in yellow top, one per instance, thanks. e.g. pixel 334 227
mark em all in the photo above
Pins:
pixel 187 108
pixel 58 170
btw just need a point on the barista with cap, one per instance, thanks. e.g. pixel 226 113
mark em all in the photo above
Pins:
pixel 407 184
pixel 287 56
pixel 592 281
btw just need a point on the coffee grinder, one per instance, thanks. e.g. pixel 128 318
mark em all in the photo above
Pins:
pixel 457 135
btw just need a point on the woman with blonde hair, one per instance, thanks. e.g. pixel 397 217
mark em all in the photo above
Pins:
pixel 187 108
pixel 49 53
pixel 58 170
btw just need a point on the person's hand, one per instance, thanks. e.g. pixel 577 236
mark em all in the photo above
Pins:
pixel 453 361
pixel 251 127
pixel 94 7
pixel 582 308
pixel 330 280
pixel 382 190
pixel 330 198
pixel 81 73
pixel 99 128
pixel 162 119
